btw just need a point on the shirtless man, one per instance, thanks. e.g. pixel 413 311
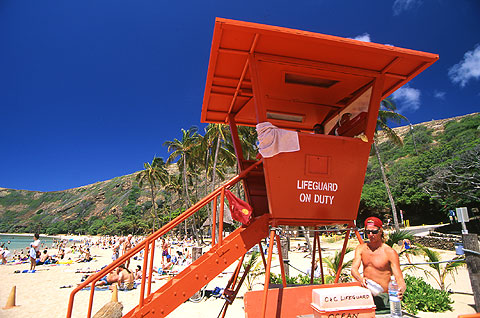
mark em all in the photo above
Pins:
pixel 44 258
pixel 379 261
pixel 165 249
pixel 108 279
pixel 126 247
pixel 86 256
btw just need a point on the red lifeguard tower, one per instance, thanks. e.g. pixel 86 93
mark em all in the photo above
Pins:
pixel 288 81
pixel 295 80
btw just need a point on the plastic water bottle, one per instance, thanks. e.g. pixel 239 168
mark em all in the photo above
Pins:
pixel 395 302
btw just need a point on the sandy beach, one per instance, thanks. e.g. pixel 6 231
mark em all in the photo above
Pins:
pixel 40 294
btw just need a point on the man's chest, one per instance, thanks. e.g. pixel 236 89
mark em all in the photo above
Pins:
pixel 377 259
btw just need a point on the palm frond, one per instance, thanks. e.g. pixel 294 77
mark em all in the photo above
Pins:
pixel 396 236
pixel 432 257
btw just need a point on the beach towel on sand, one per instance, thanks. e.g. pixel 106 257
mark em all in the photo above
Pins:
pixel 25 271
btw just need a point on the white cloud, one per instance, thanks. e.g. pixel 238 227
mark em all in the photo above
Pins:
pixel 404 5
pixel 467 69
pixel 365 37
pixel 407 99
pixel 439 94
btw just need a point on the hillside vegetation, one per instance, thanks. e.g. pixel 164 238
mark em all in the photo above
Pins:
pixel 437 169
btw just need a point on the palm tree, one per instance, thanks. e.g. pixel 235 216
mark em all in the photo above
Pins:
pixel 216 134
pixel 333 264
pixel 181 149
pixel 441 270
pixel 175 187
pixel 248 138
pixel 255 269
pixel 153 173
pixel 388 113
pixel 397 236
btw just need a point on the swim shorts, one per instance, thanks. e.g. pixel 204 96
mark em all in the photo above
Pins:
pixel 104 279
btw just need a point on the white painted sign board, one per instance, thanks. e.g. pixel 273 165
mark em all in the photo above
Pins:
pixel 462 214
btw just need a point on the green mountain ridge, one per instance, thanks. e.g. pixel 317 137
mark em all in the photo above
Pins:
pixel 428 148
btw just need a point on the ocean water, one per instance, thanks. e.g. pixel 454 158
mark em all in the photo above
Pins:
pixel 18 242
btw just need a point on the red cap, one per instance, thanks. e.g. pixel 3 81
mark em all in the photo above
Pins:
pixel 375 221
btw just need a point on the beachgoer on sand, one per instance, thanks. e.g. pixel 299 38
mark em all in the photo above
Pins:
pixel 380 262
pixel 44 258
pixel 4 253
pixel 138 272
pixel 125 278
pixel 316 271
pixel 165 250
pixel 34 251
pixel 85 257
pixel 406 246
pixel 108 279
pixel 126 247
pixel 116 249
pixel 166 267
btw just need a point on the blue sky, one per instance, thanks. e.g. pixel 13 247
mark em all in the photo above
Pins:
pixel 89 90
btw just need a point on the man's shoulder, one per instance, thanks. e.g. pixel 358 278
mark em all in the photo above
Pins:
pixel 389 250
pixel 387 247
pixel 360 247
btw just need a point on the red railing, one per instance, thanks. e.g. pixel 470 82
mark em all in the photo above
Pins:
pixel 148 244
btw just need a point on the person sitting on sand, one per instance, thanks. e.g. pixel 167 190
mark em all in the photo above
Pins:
pixel 125 278
pixel 138 272
pixel 44 258
pixel 23 257
pixel 61 253
pixel 86 257
pixel 166 267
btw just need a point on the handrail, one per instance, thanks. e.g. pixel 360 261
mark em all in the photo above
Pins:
pixel 92 279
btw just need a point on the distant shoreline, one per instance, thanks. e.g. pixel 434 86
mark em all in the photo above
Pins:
pixel 31 234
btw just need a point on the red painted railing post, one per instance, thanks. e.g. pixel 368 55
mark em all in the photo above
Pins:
pixel 314 251
pixel 267 272
pixel 339 270
pixel 144 271
pixel 320 258
pixel 220 222
pixel 90 301
pixel 280 258
pixel 214 220
pixel 150 272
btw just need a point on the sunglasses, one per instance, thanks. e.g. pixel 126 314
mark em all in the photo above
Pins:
pixel 371 231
